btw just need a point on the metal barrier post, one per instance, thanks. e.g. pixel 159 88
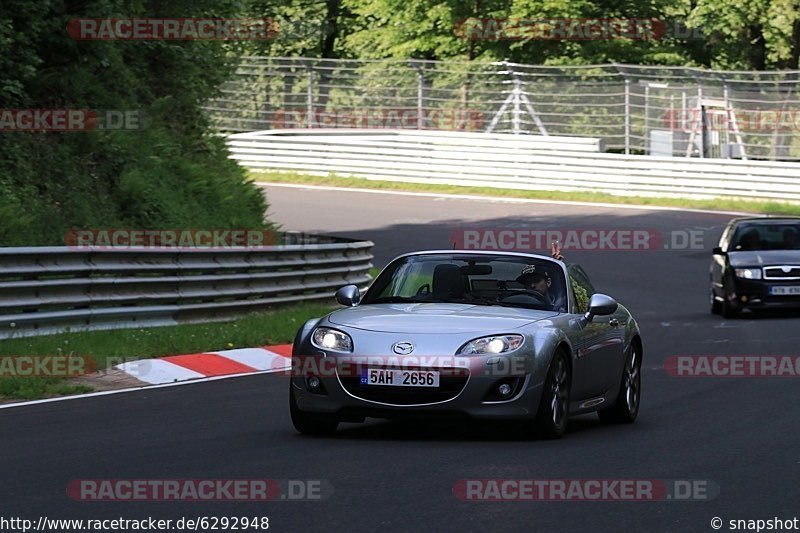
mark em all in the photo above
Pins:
pixel 627 116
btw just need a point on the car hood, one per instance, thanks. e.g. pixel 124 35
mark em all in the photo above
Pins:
pixel 435 318
pixel 764 258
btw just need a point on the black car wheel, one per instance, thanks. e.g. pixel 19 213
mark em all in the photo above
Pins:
pixel 626 407
pixel 551 419
pixel 728 309
pixel 310 423
pixel 715 305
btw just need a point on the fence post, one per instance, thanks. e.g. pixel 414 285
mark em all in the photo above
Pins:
pixel 420 96
pixel 673 123
pixel 702 110
pixel 646 118
pixel 515 119
pixel 727 105
pixel 627 116
pixel 310 96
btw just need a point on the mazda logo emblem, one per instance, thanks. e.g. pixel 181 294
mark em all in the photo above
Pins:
pixel 403 348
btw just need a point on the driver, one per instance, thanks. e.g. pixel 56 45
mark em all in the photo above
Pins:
pixel 536 281
pixel 750 240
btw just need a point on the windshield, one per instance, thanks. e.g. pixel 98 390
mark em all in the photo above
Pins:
pixel 777 236
pixel 472 279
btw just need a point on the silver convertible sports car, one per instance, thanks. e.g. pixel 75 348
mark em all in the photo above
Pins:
pixel 473 334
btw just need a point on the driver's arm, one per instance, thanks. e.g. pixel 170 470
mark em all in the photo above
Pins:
pixel 555 251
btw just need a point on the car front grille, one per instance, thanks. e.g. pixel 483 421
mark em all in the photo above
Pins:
pixel 784 272
pixel 450 386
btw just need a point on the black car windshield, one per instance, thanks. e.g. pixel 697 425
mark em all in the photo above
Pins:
pixel 513 281
pixel 763 236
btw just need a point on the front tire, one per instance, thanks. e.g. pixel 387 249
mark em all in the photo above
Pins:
pixel 310 423
pixel 716 306
pixel 728 309
pixel 626 407
pixel 551 419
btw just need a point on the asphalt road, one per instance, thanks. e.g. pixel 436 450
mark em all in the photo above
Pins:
pixel 740 435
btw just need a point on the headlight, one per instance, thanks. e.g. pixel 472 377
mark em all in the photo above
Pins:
pixel 331 339
pixel 748 273
pixel 490 345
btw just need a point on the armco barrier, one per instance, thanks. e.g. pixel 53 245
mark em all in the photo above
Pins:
pixel 509 162
pixel 48 289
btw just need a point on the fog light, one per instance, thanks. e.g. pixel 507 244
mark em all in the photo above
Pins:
pixel 744 298
pixel 313 382
pixel 504 390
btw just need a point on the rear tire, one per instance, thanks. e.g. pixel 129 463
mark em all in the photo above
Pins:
pixel 310 423
pixel 629 397
pixel 551 419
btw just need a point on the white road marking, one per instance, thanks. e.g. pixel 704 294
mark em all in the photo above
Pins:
pixel 257 358
pixel 133 389
pixel 158 371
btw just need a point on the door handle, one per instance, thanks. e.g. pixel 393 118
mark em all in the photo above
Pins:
pixel 613 322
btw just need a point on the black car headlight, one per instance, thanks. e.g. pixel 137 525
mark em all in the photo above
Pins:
pixel 748 273
pixel 491 345
pixel 332 339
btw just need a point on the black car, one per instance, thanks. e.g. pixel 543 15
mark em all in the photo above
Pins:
pixel 756 266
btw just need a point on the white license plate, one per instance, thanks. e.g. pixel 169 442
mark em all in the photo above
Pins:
pixel 794 290
pixel 400 378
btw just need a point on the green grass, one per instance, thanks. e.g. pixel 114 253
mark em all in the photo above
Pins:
pixel 258 329
pixel 717 204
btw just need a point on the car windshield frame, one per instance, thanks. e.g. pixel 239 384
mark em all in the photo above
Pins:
pixel 508 292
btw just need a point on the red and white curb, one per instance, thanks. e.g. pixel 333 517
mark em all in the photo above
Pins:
pixel 209 364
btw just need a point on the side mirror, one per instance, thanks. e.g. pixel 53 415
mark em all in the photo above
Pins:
pixel 717 251
pixel 349 295
pixel 599 305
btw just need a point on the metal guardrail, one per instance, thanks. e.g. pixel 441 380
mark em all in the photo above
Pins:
pixel 49 289
pixel 496 161
pixel 656 110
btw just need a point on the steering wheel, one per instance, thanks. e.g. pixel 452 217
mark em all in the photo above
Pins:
pixel 524 297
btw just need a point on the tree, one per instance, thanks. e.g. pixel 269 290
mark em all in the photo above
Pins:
pixel 169 172
pixel 749 34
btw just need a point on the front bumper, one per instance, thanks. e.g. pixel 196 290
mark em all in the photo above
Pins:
pixel 754 294
pixel 468 387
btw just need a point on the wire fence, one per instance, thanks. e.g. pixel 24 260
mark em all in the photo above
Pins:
pixel 657 110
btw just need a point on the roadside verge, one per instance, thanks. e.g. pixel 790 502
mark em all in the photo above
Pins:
pixel 724 205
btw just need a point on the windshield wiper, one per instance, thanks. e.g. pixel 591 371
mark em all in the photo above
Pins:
pixel 483 302
pixel 402 300
pixel 477 301
pixel 515 305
